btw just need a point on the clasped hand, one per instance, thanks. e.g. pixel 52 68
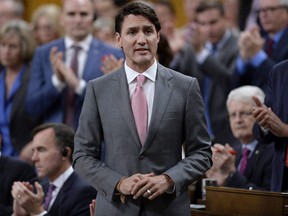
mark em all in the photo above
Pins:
pixel 146 185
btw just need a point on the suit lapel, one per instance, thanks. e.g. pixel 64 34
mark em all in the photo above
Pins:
pixel 122 98
pixel 163 90
pixel 90 72
pixel 61 196
pixel 253 160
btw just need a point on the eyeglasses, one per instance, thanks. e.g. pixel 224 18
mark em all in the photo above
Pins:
pixel 239 114
pixel 271 9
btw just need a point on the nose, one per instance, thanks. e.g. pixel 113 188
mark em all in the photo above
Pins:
pixel 141 38
pixel 34 157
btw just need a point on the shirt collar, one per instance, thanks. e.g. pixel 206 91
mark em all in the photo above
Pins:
pixel 84 44
pixel 221 43
pixel 150 73
pixel 58 182
pixel 251 146
pixel 278 35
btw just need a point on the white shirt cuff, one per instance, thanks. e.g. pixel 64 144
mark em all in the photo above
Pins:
pixel 81 87
pixel 58 84
pixel 41 214
pixel 202 56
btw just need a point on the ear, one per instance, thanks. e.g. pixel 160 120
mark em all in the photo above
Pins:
pixel 158 37
pixel 119 40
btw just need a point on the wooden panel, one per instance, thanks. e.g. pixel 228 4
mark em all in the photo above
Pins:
pixel 232 201
pixel 31 5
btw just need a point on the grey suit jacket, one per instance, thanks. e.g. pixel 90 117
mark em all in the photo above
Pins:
pixel 177 118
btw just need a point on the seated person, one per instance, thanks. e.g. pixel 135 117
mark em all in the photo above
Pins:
pixel 67 193
pixel 12 170
pixel 252 168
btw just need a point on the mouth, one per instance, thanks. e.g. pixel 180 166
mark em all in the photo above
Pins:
pixel 141 50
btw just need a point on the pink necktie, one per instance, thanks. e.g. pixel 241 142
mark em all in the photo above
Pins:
pixel 140 109
pixel 48 196
pixel 70 96
pixel 245 156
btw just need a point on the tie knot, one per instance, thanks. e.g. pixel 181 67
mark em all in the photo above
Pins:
pixel 245 152
pixel 140 80
pixel 76 48
pixel 51 187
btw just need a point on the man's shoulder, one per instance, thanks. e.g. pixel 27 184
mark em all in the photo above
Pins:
pixel 48 46
pixel 106 48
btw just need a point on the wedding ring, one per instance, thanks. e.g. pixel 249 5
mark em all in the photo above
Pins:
pixel 149 192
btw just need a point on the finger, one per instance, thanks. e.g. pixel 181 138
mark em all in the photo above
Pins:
pixel 39 189
pixel 257 101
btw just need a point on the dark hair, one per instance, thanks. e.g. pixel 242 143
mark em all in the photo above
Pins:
pixel 64 136
pixel 210 4
pixel 164 52
pixel 136 8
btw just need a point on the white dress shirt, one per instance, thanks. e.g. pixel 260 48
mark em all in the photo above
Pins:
pixel 148 86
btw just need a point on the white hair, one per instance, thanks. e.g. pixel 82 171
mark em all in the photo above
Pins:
pixel 245 93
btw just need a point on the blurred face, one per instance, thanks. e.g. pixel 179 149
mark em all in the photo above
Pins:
pixel 44 30
pixel 166 19
pixel 10 51
pixel 47 157
pixel 212 25
pixel 7 12
pixel 139 40
pixel 273 16
pixel 241 120
pixel 77 18
pixel 190 7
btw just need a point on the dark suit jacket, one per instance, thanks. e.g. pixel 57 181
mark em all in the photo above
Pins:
pixel 177 117
pixel 73 198
pixel 277 99
pixel 21 123
pixel 258 171
pixel 43 99
pixel 259 76
pixel 220 69
pixel 12 170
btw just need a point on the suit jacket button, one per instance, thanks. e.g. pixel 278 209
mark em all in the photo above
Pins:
pixel 141 157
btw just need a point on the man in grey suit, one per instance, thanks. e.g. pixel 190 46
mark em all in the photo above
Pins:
pixel 216 50
pixel 142 172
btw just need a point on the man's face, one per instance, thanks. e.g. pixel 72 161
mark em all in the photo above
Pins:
pixel 139 40
pixel 212 25
pixel 77 18
pixel 241 120
pixel 273 16
pixel 47 157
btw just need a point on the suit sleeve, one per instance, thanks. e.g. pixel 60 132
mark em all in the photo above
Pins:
pixel 197 143
pixel 41 94
pixel 87 151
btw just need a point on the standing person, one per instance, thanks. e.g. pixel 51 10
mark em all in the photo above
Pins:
pixel 52 156
pixel 61 69
pixel 143 132
pixel 259 54
pixel 216 52
pixel 17 46
pixel 272 119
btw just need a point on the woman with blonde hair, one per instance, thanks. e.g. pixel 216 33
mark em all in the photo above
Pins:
pixel 46 23
pixel 16 50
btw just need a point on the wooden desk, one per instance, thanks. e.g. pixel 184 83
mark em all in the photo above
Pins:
pixel 231 201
